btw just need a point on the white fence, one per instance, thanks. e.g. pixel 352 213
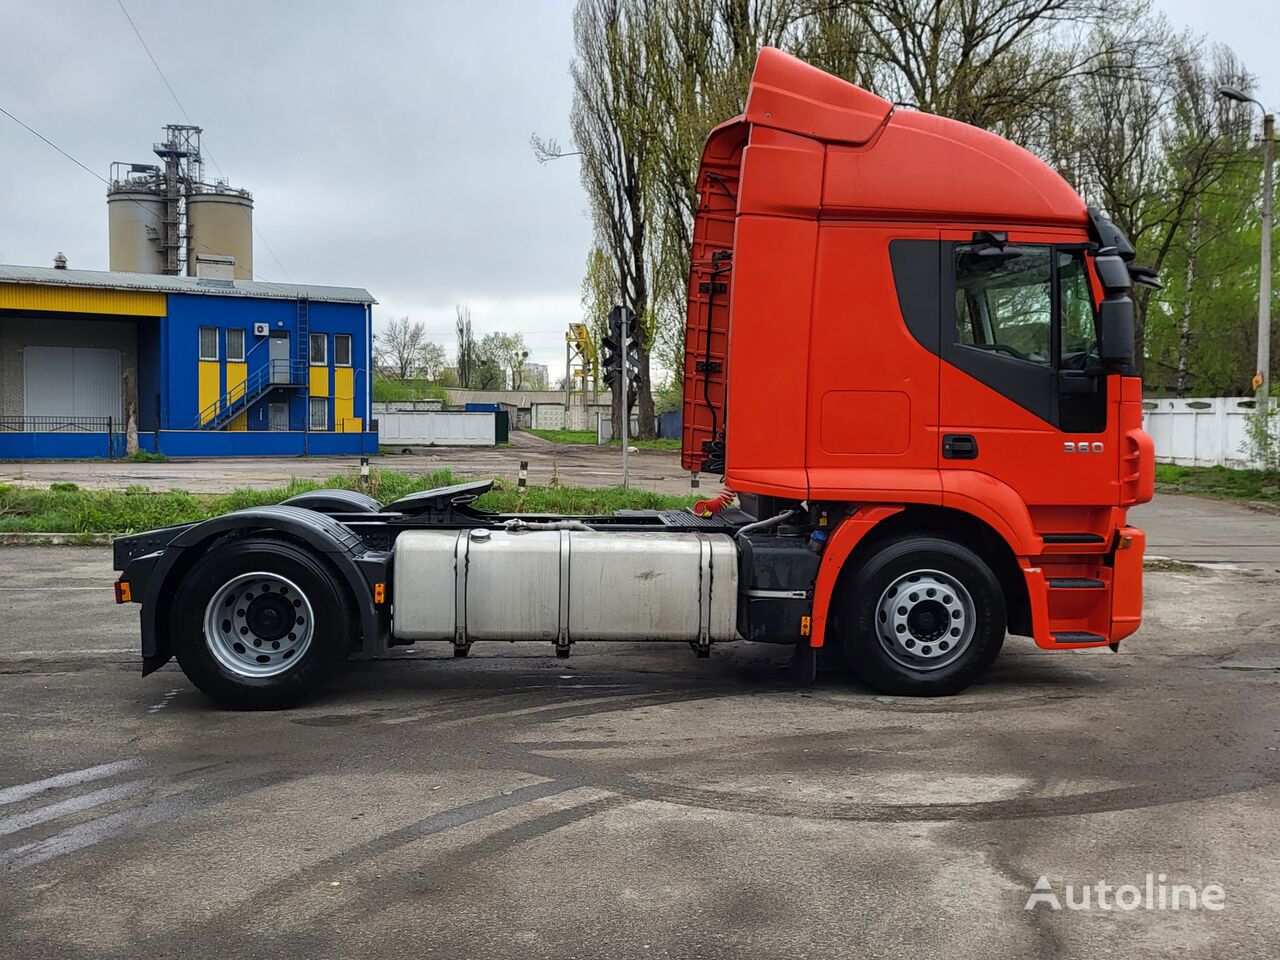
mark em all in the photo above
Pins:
pixel 1201 432
pixel 438 428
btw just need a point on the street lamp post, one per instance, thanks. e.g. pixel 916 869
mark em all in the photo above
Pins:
pixel 1263 377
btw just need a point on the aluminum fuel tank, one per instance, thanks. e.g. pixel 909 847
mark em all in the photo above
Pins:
pixel 564 586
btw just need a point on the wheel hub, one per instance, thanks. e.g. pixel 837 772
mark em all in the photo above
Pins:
pixel 925 619
pixel 258 624
pixel 269 616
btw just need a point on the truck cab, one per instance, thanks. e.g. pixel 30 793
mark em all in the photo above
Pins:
pixel 898 314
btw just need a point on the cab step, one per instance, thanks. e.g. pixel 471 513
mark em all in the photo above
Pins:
pixel 1075 583
pixel 1077 636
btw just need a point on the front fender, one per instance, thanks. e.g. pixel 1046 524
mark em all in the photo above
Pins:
pixel 843 541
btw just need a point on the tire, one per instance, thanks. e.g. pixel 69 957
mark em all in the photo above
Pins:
pixel 923 616
pixel 260 623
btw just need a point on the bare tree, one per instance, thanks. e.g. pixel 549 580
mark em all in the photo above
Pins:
pixel 466 361
pixel 398 350
pixel 1152 145
pixel 431 360
pixel 614 130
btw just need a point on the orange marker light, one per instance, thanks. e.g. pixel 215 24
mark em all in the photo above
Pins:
pixel 379 593
pixel 124 592
pixel 805 626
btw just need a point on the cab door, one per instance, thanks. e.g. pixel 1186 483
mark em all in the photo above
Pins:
pixel 1022 396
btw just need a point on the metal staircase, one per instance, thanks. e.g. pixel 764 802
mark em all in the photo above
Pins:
pixel 291 374
pixel 275 373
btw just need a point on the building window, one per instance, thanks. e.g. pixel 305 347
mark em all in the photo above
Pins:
pixel 342 349
pixel 319 413
pixel 235 344
pixel 319 350
pixel 208 343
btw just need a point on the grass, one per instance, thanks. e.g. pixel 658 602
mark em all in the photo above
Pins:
pixel 1220 482
pixel 146 456
pixel 566 436
pixel 589 437
pixel 65 508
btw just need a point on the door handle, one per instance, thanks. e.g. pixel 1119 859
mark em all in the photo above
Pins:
pixel 959 446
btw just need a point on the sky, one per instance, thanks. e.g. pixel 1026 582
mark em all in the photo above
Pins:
pixel 386 143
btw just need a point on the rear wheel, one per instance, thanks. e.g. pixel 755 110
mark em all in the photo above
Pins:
pixel 923 616
pixel 259 623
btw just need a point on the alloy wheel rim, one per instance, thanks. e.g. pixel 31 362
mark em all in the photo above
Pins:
pixel 258 625
pixel 925 620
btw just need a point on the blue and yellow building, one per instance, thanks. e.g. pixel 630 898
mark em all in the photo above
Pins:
pixel 200 367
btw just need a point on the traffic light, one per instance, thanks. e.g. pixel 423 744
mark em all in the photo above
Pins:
pixel 623 326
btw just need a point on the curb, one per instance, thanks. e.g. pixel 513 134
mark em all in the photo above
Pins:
pixel 56 539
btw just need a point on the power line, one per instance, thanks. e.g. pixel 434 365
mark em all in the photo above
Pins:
pixel 154 62
pixel 41 136
pixel 203 149
pixel 97 176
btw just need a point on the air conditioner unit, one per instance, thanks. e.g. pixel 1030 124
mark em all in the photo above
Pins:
pixel 261 329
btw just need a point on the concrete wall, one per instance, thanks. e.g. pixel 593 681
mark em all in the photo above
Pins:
pixel 19 332
pixel 452 428
pixel 406 406
pixel 1202 431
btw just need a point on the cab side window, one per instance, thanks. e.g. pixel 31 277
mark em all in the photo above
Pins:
pixel 1004 304
pixel 1079 323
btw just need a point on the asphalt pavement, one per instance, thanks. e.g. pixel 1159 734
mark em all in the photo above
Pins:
pixel 634 801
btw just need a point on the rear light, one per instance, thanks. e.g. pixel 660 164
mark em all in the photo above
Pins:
pixel 124 592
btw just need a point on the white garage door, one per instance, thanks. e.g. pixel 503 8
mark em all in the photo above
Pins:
pixel 72 382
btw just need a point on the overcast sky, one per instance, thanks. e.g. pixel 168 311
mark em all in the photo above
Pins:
pixel 386 144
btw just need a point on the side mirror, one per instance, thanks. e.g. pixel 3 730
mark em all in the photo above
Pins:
pixel 1115 321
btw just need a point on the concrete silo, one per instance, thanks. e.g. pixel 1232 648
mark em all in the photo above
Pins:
pixel 165 218
pixel 135 221
pixel 220 224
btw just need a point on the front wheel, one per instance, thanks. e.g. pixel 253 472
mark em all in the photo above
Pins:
pixel 259 623
pixel 923 616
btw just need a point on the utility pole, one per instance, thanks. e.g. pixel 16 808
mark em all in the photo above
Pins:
pixel 617 346
pixel 626 412
pixel 1264 278
pixel 1262 379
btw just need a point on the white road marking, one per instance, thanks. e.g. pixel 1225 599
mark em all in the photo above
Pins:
pixel 62 588
pixel 163 701
pixel 96 798
pixel 24 790
pixel 66 653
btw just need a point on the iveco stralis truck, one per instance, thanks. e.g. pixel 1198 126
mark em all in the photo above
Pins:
pixel 910 355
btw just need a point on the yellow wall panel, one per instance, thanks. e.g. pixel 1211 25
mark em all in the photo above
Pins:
pixel 236 374
pixel 344 379
pixel 319 381
pixel 130 303
pixel 209 389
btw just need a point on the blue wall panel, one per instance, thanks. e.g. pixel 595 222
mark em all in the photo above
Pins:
pixel 188 313
pixel 264 443
pixel 149 380
pixel 53 446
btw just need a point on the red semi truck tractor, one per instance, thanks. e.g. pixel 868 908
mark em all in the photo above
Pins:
pixel 909 353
